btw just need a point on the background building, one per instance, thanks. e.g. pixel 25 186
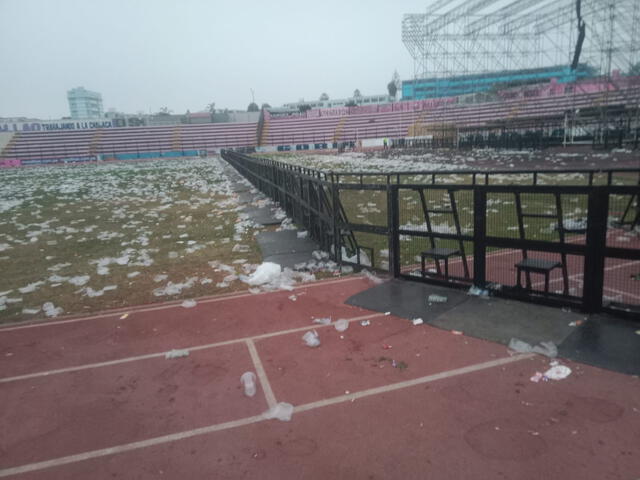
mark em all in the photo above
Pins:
pixel 84 103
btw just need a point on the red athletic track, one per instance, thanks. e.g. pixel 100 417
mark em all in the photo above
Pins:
pixel 468 409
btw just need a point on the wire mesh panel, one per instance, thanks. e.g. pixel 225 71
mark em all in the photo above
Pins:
pixel 435 232
pixel 621 286
pixel 567 237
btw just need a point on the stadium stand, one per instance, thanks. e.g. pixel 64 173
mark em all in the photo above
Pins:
pixel 541 104
pixel 127 143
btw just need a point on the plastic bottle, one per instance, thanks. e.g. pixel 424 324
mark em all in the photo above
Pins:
pixel 248 381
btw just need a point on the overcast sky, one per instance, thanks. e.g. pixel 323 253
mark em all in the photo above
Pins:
pixel 146 54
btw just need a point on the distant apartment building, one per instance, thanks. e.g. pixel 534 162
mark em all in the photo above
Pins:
pixel 84 103
pixel 341 102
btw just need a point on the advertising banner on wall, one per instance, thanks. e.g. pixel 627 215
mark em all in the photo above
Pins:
pixel 84 124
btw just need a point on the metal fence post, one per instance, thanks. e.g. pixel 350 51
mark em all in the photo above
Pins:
pixel 335 199
pixel 479 236
pixel 393 225
pixel 596 242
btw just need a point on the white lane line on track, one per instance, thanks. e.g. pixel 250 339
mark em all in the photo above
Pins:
pixel 161 354
pixel 262 375
pixel 56 462
pixel 165 306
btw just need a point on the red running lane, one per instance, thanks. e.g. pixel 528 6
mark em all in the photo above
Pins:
pixel 53 346
pixel 49 417
pixel 487 425
pixel 359 358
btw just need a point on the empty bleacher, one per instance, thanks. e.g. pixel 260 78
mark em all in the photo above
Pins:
pixel 325 128
pixel 128 142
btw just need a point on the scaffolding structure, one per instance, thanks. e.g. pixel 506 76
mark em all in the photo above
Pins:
pixel 462 40
pixel 463 37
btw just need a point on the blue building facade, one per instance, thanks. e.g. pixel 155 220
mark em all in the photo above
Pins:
pixel 423 88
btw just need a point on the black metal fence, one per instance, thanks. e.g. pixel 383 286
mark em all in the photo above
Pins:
pixel 567 238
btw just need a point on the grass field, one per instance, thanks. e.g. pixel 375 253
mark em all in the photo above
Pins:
pixel 81 238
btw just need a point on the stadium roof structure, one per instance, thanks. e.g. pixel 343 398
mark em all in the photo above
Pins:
pixel 461 37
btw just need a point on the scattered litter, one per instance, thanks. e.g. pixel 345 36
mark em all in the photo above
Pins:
pixel 372 277
pixel 50 310
pixel 30 311
pixel 537 377
pixel 341 325
pixel 322 321
pixel 401 365
pixel 386 346
pixel 176 353
pixel 122 317
pixel 433 298
pixel 311 339
pixel 302 234
pixel 365 323
pixel 576 323
pixel 558 372
pixel 417 321
pixel 548 349
pixel 79 281
pixel 519 346
pixel 456 332
pixel 188 303
pixel 478 292
pixel 160 278
pixel 387 313
pixel 265 273
pixel 293 298
pixel 282 411
pixel 248 381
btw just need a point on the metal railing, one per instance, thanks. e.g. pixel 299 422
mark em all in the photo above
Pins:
pixel 588 232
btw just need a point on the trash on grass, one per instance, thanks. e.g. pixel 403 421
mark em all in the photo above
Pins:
pixel 433 298
pixel 417 321
pixel 248 381
pixel 176 353
pixel 282 411
pixel 311 339
pixel 267 272
pixel 341 325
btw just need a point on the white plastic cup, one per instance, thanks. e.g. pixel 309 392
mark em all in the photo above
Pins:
pixel 248 381
pixel 311 339
pixel 341 325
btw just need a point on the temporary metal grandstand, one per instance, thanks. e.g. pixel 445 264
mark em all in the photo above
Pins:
pixel 479 36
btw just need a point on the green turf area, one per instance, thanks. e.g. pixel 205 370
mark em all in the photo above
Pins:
pixel 91 237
